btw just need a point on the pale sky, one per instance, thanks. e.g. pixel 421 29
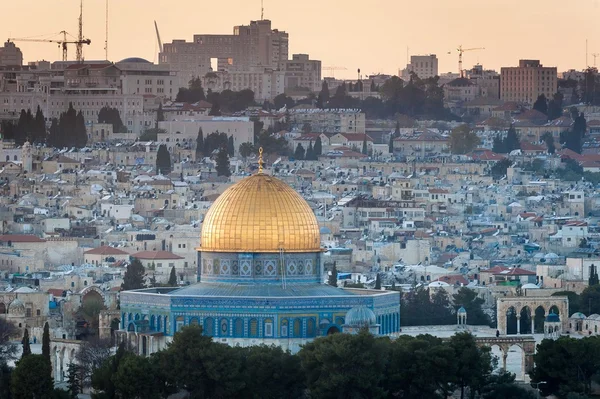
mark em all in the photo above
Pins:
pixel 370 35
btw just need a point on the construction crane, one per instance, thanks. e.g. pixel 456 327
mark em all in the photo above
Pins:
pixel 160 45
pixel 595 55
pixel 61 43
pixel 460 53
pixel 332 69
pixel 79 44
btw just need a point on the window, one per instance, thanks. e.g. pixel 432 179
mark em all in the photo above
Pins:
pixel 297 328
pixel 268 327
pixel 253 328
pixel 38 312
pixel 159 265
pixel 224 327
pixel 28 312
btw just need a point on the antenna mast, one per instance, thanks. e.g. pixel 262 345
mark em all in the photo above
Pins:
pixel 262 10
pixel 106 40
pixel 80 37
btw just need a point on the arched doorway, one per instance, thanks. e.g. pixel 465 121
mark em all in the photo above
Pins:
pixel 525 321
pixel 511 321
pixel 515 361
pixel 333 330
pixel 540 316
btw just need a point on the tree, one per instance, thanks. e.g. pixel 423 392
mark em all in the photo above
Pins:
pixel 39 127
pixel 502 385
pixel 163 160
pixel 541 104
pixel 215 109
pixel 473 363
pixel 332 279
pixel 134 276
pixel 549 140
pixel 468 299
pixel 318 148
pixel 246 149
pixel 593 279
pixel 102 377
pixel 80 137
pixel 364 145
pixel 306 127
pixel 463 140
pixel 222 166
pixel 46 342
pixel 573 139
pixel 25 343
pixel 8 350
pixel 136 378
pixel 299 153
pixel 378 282
pixel 91 356
pixel 500 168
pixel 310 153
pixel 418 307
pixel 282 101
pixel 555 106
pixel 112 116
pixel 160 115
pixel 173 278
pixel 345 366
pixel 230 146
pixel 590 300
pixel 200 144
pixel 73 381
pixel 32 378
pixel 391 144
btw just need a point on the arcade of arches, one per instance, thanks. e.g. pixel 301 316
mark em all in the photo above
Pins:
pixel 526 315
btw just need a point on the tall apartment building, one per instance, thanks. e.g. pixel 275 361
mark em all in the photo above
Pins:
pixel 266 83
pixel 328 121
pixel 425 66
pixel 302 72
pixel 527 81
pixel 10 54
pixel 251 45
pixel 133 86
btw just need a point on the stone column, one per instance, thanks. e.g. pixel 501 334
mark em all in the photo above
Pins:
pixel 532 325
pixel 518 324
pixel 504 356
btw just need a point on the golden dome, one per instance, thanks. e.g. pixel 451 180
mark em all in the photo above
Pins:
pixel 260 214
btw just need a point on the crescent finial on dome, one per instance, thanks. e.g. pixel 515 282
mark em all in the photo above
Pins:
pixel 260 160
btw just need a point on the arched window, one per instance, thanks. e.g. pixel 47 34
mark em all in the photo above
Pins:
pixel 238 328
pixel 284 328
pixel 253 328
pixel 179 323
pixel 159 323
pixel 311 328
pixel 224 327
pixel 297 328
pixel 268 327
pixel 15 158
pixel 152 322
pixel 209 326
pixel 194 321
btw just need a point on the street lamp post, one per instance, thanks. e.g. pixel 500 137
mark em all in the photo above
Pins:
pixel 537 385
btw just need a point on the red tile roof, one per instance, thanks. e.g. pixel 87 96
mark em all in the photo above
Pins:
pixel 105 250
pixel 356 136
pixel 20 238
pixel 158 255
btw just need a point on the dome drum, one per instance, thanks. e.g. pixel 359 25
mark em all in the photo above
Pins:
pixel 260 267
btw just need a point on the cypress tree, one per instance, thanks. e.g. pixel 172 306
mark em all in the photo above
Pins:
pixel 163 160
pixel 318 148
pixel 378 282
pixel 173 278
pixel 200 144
pixel 80 139
pixel 332 279
pixel 223 163
pixel 230 146
pixel 25 343
pixel 310 152
pixel 299 153
pixel 364 146
pixel 391 144
pixel 39 131
pixel 160 115
pixel 46 342
pixel 134 276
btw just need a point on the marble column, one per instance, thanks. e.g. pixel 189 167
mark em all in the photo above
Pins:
pixel 518 325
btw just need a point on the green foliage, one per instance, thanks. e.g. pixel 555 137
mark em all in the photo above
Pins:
pixel 555 106
pixel 549 140
pixel 163 160
pixel 230 146
pixel 364 145
pixel 280 101
pixel 135 378
pixel 566 365
pixel 215 109
pixel 593 280
pixel 46 342
pixel 500 168
pixel 69 130
pixel 299 153
pixel 8 350
pixel 473 363
pixel 73 381
pixel 112 116
pixel 510 143
pixel 214 142
pixel 26 344
pixel 272 144
pixel 32 378
pixel 346 366
pixel 151 134
pixel 247 149
pixel 573 139
pixel 574 300
pixel 193 94
pixel 173 278
pixel 419 308
pixel 134 276
pixel 200 144
pixel 463 140
pixel 318 148
pixel 223 163
pixel 502 386
pixel 160 115
pixel 332 278
pixel 310 153
pixel 378 282
pixel 541 104
pixel 468 299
